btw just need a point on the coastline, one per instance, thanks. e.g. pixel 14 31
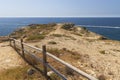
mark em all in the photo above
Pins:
pixel 86 50
pixel 10 24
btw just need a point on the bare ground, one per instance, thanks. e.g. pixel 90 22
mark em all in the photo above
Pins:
pixel 9 58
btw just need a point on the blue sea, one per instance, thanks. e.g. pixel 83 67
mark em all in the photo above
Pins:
pixel 109 27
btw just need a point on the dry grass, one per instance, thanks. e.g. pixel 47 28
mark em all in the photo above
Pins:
pixel 20 73
pixel 52 42
pixel 36 37
pixel 102 52
pixel 34 31
pixel 57 35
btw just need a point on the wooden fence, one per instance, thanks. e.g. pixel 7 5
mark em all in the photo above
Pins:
pixel 21 47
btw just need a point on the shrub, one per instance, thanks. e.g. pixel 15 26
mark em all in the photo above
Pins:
pixel 102 52
pixel 52 42
pixel 102 38
pixel 68 26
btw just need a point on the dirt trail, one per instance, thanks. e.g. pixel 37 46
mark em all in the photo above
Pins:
pixel 9 57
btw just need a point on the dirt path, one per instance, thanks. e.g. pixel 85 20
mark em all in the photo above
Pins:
pixel 8 57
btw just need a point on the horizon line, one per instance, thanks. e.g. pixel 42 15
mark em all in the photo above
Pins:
pixel 59 16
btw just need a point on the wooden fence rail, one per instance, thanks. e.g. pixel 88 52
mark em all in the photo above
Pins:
pixel 13 43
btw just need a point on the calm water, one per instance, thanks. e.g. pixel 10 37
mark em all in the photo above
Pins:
pixel 109 27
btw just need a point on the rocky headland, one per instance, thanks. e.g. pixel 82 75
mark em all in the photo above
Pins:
pixel 86 50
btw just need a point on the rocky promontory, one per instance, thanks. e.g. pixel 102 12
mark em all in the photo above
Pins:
pixel 86 50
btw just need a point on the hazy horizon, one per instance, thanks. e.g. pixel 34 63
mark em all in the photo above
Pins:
pixel 62 8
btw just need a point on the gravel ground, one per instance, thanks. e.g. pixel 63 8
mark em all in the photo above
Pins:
pixel 9 57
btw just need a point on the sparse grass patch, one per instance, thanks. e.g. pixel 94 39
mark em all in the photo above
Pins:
pixel 102 77
pixel 70 54
pixel 37 46
pixel 33 29
pixel 68 26
pixel 54 51
pixel 52 42
pixel 57 35
pixel 19 73
pixel 77 34
pixel 116 50
pixel 102 52
pixel 69 71
pixel 54 77
pixel 60 35
pixel 35 37
pixel 42 26
pixel 102 38
pixel 74 55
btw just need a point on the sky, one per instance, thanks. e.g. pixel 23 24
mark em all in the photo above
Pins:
pixel 59 8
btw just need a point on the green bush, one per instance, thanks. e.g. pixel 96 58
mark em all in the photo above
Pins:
pixel 68 26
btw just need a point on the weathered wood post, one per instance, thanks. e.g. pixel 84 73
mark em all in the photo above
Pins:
pixel 14 44
pixel 22 47
pixel 9 40
pixel 44 60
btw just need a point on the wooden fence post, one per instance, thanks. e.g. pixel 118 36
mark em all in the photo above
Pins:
pixel 14 44
pixel 44 60
pixel 9 40
pixel 22 47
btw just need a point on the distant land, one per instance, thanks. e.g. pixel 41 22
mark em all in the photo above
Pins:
pixel 107 26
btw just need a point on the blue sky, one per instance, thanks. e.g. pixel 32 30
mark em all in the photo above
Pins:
pixel 59 8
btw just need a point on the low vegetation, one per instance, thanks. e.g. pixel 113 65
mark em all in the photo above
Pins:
pixel 54 76
pixel 35 37
pixel 79 34
pixel 102 38
pixel 68 26
pixel 64 51
pixel 102 52
pixel 52 42
pixel 20 73
pixel 102 77
pixel 54 51
pixel 37 30
pixel 57 35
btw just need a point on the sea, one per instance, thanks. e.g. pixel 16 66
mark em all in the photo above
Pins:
pixel 106 26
